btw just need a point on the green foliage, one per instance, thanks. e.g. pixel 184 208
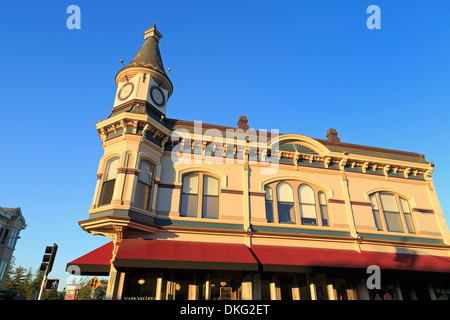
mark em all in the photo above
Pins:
pixel 22 284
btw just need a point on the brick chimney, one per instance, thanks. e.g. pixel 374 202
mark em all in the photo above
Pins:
pixel 242 123
pixel 332 135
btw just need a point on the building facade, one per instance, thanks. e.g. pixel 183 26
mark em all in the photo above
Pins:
pixel 204 211
pixel 11 223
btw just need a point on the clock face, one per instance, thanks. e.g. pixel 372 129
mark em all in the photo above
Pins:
pixel 125 91
pixel 157 96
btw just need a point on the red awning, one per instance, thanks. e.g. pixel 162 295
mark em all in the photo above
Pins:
pixel 96 262
pixel 300 259
pixel 184 255
pixel 412 262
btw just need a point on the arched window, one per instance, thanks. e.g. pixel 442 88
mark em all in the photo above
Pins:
pixel 191 204
pixel 323 209
pixel 307 202
pixel 289 206
pixel 391 212
pixel 109 180
pixel 269 204
pixel 144 186
pixel 285 200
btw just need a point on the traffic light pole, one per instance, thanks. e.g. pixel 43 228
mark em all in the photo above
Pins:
pixel 49 258
pixel 44 280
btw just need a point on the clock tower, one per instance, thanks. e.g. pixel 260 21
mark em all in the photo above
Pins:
pixel 134 139
pixel 143 85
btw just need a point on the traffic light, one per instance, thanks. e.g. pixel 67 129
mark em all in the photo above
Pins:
pixel 49 258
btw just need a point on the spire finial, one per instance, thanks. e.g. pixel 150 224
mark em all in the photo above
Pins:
pixel 152 32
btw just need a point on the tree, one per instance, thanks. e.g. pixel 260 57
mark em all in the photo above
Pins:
pixel 17 280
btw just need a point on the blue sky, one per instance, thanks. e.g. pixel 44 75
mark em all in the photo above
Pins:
pixel 297 66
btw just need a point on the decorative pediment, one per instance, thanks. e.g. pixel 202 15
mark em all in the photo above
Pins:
pixel 296 147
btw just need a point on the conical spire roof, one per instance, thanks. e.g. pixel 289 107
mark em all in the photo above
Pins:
pixel 149 57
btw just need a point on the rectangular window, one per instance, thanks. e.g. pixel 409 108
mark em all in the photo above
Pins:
pixel 308 213
pixel 324 213
pixel 408 216
pixel 323 209
pixel 12 239
pixel 5 234
pixel 210 207
pixel 393 221
pixel 409 223
pixel 142 198
pixel 391 212
pixel 210 203
pixel 286 213
pixel 189 197
pixel 107 192
pixel 3 267
pixel 269 211
pixel 189 205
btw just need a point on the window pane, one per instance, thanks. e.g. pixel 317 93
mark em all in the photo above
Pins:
pixel 405 205
pixel 269 193
pixel 146 172
pixel 324 214
pixel 190 184
pixel 111 169
pixel 189 205
pixel 210 207
pixel 306 194
pixel 393 221
pixel 269 211
pixel 308 214
pixel 285 192
pixel 388 202
pixel 409 223
pixel 286 212
pixel 373 199
pixel 322 198
pixel 107 192
pixel 142 197
pixel 210 186
pixel 376 217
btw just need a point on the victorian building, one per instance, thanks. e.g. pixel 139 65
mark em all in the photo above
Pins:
pixel 11 223
pixel 205 211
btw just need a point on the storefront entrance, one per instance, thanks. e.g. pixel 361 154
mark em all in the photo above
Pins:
pixel 152 284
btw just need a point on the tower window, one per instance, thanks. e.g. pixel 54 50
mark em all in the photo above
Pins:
pixel 109 180
pixel 144 186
